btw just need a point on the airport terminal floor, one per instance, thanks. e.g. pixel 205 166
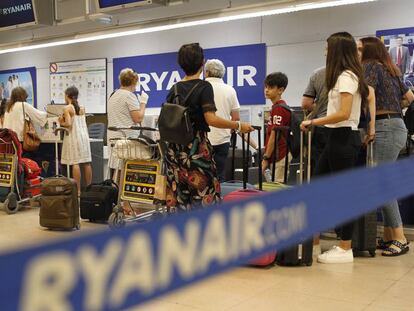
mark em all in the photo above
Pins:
pixel 369 284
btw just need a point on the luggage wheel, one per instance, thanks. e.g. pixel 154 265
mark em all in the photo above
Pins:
pixel 10 204
pixel 372 252
pixel 77 227
pixel 116 220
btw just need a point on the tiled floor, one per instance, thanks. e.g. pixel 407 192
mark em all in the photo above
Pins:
pixel 383 284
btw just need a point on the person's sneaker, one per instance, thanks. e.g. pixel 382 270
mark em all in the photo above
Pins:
pixel 336 255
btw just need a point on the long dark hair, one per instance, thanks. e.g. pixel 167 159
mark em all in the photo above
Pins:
pixel 73 93
pixel 343 55
pixel 3 106
pixel 374 50
pixel 18 94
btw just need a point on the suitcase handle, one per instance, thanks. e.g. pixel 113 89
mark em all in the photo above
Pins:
pixel 245 153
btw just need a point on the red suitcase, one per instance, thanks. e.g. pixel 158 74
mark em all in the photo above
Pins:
pixel 245 193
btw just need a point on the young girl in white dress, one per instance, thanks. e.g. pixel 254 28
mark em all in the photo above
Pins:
pixel 76 148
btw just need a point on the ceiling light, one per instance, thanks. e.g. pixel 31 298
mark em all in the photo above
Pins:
pixel 94 37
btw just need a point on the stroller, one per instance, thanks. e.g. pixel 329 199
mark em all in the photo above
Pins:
pixel 19 177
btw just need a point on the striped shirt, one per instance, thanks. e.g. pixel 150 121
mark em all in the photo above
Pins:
pixel 120 104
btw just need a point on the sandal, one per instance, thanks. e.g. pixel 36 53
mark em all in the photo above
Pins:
pixel 382 244
pixel 393 252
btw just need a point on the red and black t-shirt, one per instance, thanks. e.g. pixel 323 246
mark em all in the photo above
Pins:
pixel 279 116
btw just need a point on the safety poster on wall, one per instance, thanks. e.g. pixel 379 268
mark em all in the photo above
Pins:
pixel 89 76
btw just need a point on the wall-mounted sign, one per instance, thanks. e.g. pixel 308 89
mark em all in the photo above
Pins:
pixel 109 5
pixel 17 12
pixel 245 71
pixel 403 37
pixel 89 76
pixel 23 77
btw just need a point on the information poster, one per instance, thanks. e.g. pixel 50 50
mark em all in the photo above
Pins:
pixel 23 77
pixel 89 76
pixel 400 37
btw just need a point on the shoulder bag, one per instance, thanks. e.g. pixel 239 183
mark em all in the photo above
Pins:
pixel 31 140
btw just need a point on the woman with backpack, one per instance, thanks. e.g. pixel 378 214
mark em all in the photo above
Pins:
pixel 76 148
pixel 391 134
pixel 192 180
pixel 347 93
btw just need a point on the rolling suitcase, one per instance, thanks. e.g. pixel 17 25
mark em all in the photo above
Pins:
pixel 98 200
pixel 59 205
pixel 365 228
pixel 300 254
pixel 233 184
pixel 269 258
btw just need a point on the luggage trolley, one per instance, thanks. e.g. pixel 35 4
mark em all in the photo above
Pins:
pixel 139 165
pixel 13 187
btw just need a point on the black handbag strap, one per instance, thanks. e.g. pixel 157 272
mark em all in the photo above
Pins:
pixel 176 95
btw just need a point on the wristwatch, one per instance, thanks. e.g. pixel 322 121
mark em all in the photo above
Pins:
pixel 265 157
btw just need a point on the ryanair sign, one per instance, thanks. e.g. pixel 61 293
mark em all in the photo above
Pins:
pixel 115 270
pixel 245 71
pixel 16 12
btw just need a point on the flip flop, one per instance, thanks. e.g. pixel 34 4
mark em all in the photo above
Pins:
pixel 392 252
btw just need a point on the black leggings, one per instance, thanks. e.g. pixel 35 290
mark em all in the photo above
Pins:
pixel 340 153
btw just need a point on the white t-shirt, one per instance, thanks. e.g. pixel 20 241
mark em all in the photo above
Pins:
pixel 225 98
pixel 347 83
pixel 14 119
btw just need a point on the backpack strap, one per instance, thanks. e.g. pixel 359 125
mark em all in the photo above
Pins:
pixel 176 95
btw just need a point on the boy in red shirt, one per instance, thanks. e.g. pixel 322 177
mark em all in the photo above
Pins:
pixel 275 85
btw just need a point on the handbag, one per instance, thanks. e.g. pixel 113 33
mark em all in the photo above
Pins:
pixel 174 123
pixel 31 140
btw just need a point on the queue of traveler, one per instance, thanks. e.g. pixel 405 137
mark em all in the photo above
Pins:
pixel 76 150
pixel 359 91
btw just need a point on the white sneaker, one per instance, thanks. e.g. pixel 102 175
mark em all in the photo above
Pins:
pixel 336 255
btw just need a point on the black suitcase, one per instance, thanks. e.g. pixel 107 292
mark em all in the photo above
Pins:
pixel 300 254
pixel 365 228
pixel 98 200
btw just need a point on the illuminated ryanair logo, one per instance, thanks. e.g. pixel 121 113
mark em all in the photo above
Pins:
pixel 16 9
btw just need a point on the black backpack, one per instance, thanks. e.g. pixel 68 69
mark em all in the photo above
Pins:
pixel 174 122
pixel 294 132
pixel 409 119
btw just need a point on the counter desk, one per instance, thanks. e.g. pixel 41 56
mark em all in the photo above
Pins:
pixel 45 157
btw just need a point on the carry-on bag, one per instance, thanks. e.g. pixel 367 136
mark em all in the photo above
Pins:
pixel 98 200
pixel 300 254
pixel 245 193
pixel 235 184
pixel 59 205
pixel 365 228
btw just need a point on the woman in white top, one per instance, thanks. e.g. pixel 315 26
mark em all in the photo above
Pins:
pixel 125 109
pixel 76 147
pixel 347 92
pixel 14 116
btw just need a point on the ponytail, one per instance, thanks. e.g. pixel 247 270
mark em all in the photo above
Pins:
pixel 73 93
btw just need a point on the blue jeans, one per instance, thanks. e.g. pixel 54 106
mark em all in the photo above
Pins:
pixel 390 139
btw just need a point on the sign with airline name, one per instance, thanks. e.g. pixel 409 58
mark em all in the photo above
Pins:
pixel 16 12
pixel 103 4
pixel 245 71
